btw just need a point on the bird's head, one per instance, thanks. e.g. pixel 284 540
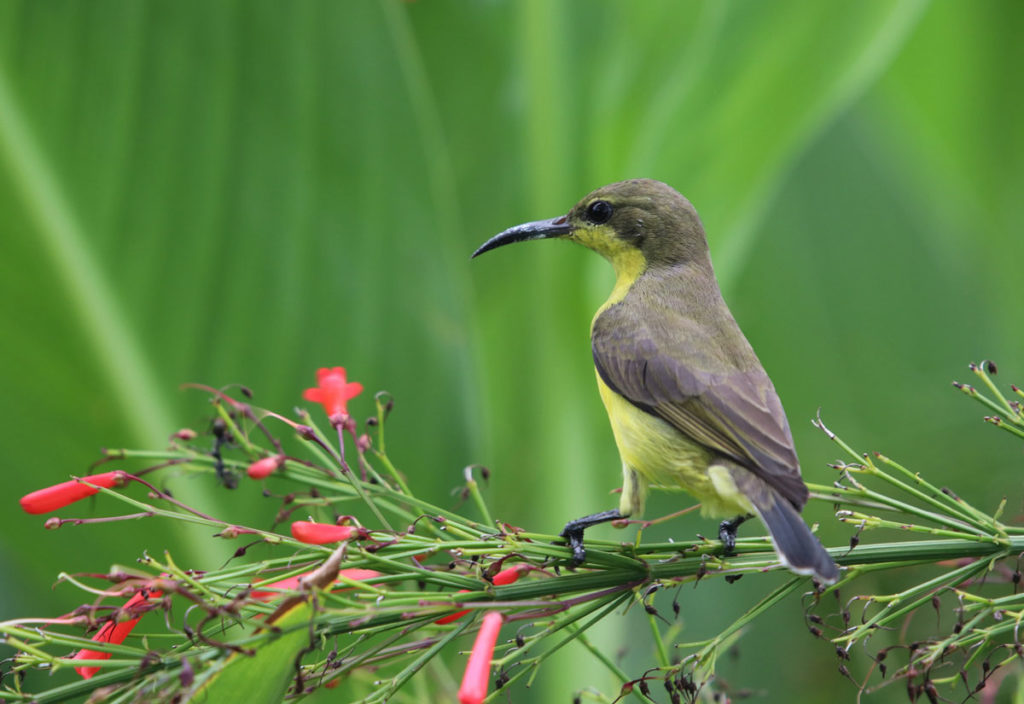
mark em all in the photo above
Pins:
pixel 638 224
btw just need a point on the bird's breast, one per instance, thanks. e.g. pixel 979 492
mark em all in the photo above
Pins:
pixel 665 457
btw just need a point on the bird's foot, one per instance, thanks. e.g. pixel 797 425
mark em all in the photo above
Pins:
pixel 574 536
pixel 727 534
pixel 573 533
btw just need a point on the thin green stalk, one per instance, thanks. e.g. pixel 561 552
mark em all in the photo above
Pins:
pixel 395 474
pixel 368 654
pixel 355 481
pixel 983 400
pixel 773 598
pixel 25 646
pixel 474 491
pixel 199 519
pixel 940 648
pixel 963 514
pixel 872 522
pixel 946 499
pixel 235 430
pixel 601 657
pixel 659 643
pixel 980 371
pixel 402 677
pixel 889 613
pixel 1007 427
pixel 964 511
pixel 531 665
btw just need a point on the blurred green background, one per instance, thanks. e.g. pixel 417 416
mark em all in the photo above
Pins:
pixel 244 191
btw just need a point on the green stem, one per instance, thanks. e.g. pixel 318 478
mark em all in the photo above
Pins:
pixel 571 619
pixel 938 498
pixel 890 613
pixel 395 474
pixel 356 483
pixel 474 491
pixel 872 522
pixel 979 370
pixel 659 643
pixel 607 662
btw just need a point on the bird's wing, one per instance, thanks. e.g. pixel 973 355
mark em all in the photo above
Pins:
pixel 725 407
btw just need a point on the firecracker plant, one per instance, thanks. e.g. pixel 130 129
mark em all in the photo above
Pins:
pixel 368 584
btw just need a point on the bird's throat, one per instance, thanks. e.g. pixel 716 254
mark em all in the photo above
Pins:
pixel 629 264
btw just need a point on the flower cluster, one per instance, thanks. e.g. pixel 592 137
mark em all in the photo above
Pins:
pixel 333 392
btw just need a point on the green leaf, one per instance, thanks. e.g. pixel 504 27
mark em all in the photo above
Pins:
pixel 265 676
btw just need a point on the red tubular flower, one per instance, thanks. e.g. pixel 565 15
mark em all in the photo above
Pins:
pixel 322 533
pixel 60 495
pixel 112 632
pixel 333 391
pixel 478 668
pixel 510 575
pixel 261 469
pixel 263 594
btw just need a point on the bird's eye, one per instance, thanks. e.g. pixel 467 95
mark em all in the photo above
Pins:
pixel 599 212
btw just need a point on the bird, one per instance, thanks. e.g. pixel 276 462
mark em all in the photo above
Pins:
pixel 689 403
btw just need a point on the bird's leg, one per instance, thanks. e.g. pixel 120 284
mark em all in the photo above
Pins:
pixel 727 533
pixel 573 532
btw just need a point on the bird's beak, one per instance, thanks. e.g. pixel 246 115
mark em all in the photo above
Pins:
pixel 540 230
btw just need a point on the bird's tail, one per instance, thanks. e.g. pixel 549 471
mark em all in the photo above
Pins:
pixel 796 545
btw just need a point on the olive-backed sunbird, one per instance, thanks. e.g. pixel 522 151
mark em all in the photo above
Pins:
pixel 689 403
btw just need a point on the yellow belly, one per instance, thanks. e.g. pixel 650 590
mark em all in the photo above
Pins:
pixel 655 453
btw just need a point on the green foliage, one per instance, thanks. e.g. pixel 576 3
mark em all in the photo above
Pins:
pixel 229 191
pixel 378 609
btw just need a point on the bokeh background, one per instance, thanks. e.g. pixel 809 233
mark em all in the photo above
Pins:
pixel 240 192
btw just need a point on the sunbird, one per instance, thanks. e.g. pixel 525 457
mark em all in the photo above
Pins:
pixel 689 403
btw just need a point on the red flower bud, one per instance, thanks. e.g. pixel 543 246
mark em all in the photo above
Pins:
pixel 478 668
pixel 60 495
pixel 113 631
pixel 510 575
pixel 261 469
pixel 333 391
pixel 322 533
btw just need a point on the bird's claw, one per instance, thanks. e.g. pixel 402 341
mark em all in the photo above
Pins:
pixel 727 534
pixel 575 540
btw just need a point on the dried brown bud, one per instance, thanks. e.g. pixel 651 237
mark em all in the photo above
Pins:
pixel 363 442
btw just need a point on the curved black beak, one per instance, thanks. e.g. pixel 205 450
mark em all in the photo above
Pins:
pixel 540 230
